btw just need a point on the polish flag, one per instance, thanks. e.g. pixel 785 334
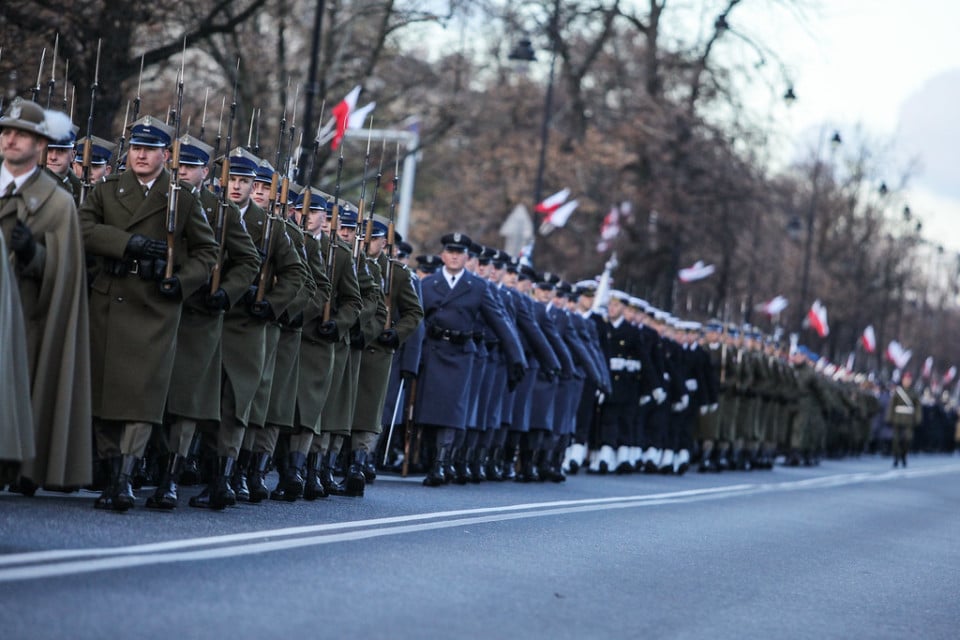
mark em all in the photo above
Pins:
pixel 817 316
pixel 927 368
pixel 552 203
pixel 869 339
pixel 346 115
pixel 774 306
pixel 949 376
pixel 897 354
pixel 610 228
pixel 698 271
pixel 558 217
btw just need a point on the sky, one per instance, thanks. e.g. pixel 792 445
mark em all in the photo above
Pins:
pixel 891 68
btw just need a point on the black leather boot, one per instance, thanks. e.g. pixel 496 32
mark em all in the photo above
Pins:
pixel 461 473
pixel 238 481
pixel 105 500
pixel 355 482
pixel 290 486
pixel 330 485
pixel 166 497
pixel 528 467
pixel 256 476
pixel 123 498
pixel 313 488
pixel 218 495
pixel 494 465
pixel 551 467
pixel 510 463
pixel 479 466
pixel 190 466
pixel 438 473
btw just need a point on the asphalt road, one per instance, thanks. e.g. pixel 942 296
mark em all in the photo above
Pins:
pixel 849 549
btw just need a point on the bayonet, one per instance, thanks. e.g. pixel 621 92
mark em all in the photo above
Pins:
pixel 203 118
pixel 36 89
pixel 52 83
pixel 173 195
pixel 221 221
pixel 85 182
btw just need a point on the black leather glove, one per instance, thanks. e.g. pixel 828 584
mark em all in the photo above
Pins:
pixel 217 301
pixel 170 287
pixel 515 373
pixel 139 246
pixel 23 243
pixel 262 310
pixel 389 338
pixel 328 331
pixel 250 295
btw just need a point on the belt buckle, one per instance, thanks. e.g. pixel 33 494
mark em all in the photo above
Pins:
pixel 135 267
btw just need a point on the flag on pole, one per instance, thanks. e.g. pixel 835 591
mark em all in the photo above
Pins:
pixel 927 368
pixel 551 204
pixel 949 375
pixel 345 115
pixel 610 228
pixel 774 306
pixel 898 355
pixel 869 339
pixel 698 271
pixel 817 316
pixel 558 217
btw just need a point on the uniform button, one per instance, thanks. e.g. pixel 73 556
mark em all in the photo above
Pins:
pixel 622 342
pixel 119 298
pixel 616 377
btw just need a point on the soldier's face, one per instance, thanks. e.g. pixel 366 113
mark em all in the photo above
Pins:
pixel 260 194
pixel 347 234
pixel 315 221
pixel 454 261
pixel 146 162
pixel 20 149
pixel 238 190
pixel 325 224
pixel 376 246
pixel 585 303
pixel 615 309
pixel 193 175
pixel 58 160
pixel 542 295
pixel 509 279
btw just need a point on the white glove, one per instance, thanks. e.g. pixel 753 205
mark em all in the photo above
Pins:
pixel 714 407
pixel 601 397
pixel 659 395
pixel 691 384
pixel 703 409
pixel 644 400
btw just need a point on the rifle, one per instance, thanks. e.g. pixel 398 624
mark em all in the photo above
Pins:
pixel 391 238
pixel 36 89
pixel 66 80
pixel 216 144
pixel 409 435
pixel 52 83
pixel 173 195
pixel 222 204
pixel 334 223
pixel 368 231
pixel 203 118
pixel 256 140
pixel 393 421
pixel 123 137
pixel 136 101
pixel 363 190
pixel 85 183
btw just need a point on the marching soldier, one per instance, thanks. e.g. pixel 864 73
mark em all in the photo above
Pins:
pixel 100 153
pixel 194 394
pixel 135 305
pixel 44 255
pixel 59 162
pixel 903 414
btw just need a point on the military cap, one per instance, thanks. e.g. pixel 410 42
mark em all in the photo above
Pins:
pixel 713 326
pixel 639 304
pixel 659 314
pixel 265 173
pixel 194 152
pixel 566 290
pixel 428 263
pixel 512 265
pixel 486 255
pixel 475 249
pixel 733 330
pixel 500 259
pixel 622 296
pixel 348 219
pixel 547 281
pixel 317 201
pixel 379 228
pixel 100 151
pixel 243 163
pixel 404 249
pixel 587 288
pixel 293 192
pixel 150 132
pixel 68 141
pixel 26 115
pixel 456 242
pixel 525 271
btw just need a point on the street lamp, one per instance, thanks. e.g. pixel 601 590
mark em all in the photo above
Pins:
pixel 524 52
pixel 835 142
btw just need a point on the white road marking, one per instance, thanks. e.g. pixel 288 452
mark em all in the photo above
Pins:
pixel 46 564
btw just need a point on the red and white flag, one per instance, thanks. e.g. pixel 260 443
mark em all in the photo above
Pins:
pixel 898 355
pixel 698 271
pixel 551 204
pixel 610 228
pixel 949 376
pixel 817 316
pixel 869 339
pixel 774 306
pixel 558 217
pixel 927 368
pixel 346 115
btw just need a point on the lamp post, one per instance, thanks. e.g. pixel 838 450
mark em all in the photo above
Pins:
pixel 835 142
pixel 524 52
